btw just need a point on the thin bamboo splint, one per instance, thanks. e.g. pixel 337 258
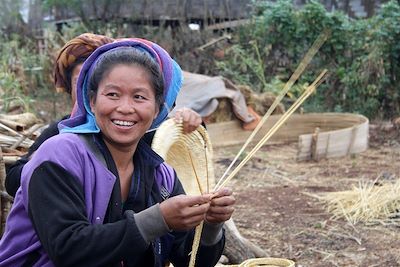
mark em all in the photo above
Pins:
pixel 280 122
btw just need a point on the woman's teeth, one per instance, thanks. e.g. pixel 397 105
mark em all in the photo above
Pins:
pixel 123 123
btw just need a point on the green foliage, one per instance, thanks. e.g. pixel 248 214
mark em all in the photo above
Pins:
pixel 362 56
pixel 23 72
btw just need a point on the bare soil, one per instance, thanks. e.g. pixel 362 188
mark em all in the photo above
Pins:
pixel 276 211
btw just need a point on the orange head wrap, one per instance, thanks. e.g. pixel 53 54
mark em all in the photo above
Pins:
pixel 79 47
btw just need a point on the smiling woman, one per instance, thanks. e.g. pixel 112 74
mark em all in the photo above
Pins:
pixel 117 203
pixel 124 106
pixel 126 94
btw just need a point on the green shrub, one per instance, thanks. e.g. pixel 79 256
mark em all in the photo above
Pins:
pixel 362 56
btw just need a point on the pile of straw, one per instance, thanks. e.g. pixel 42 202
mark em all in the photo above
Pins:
pixel 369 203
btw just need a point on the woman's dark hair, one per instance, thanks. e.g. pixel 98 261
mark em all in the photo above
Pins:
pixel 69 70
pixel 128 56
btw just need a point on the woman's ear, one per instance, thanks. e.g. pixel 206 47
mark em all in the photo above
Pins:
pixel 92 101
pixel 156 114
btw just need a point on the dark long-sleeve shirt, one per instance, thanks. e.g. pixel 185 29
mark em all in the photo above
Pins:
pixel 69 212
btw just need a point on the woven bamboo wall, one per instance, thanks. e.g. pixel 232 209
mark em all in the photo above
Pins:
pixel 339 134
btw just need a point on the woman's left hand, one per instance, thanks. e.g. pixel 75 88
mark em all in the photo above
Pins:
pixel 190 119
pixel 221 206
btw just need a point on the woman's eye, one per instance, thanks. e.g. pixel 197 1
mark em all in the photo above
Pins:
pixel 112 94
pixel 140 97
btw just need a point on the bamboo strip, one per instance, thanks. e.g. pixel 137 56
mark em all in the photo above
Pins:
pixel 287 114
pixel 300 69
pixel 199 229
pixel 195 173
pixel 196 244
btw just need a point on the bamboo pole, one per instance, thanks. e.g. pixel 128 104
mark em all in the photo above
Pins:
pixel 196 243
pixel 279 123
pixel 199 229
pixel 17 127
pixel 300 69
pixel 5 127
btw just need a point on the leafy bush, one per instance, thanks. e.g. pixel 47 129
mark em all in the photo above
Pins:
pixel 24 73
pixel 362 56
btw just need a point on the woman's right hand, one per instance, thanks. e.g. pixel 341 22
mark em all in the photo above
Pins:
pixel 184 212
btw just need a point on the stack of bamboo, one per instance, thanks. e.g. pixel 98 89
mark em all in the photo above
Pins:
pixel 17 134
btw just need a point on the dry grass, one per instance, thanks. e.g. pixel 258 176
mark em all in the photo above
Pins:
pixel 371 202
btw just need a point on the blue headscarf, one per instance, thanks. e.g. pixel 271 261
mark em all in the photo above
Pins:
pixel 82 119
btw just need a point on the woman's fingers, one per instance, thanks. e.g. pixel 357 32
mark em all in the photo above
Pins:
pixel 189 118
pixel 183 212
pixel 221 206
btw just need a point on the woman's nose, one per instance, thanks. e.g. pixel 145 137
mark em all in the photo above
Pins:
pixel 126 106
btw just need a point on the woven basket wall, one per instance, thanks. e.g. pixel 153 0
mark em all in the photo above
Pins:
pixel 189 154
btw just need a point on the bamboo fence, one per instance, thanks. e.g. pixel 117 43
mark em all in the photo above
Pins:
pixel 17 134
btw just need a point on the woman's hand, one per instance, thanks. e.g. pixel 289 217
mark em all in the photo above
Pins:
pixel 185 212
pixel 221 206
pixel 190 119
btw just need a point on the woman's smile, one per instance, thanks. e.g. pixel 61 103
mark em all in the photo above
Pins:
pixel 122 123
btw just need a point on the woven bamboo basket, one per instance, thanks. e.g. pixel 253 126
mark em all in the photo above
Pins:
pixel 267 262
pixel 189 154
pixel 264 262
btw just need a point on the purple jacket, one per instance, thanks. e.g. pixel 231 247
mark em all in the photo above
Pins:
pixel 69 152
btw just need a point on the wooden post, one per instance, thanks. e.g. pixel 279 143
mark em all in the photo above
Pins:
pixel 352 140
pixel 314 145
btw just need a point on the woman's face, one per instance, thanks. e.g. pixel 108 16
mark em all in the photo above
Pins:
pixel 124 105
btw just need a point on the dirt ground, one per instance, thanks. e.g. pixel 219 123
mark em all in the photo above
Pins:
pixel 275 210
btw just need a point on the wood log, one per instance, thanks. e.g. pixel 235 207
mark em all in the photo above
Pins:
pixel 237 248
